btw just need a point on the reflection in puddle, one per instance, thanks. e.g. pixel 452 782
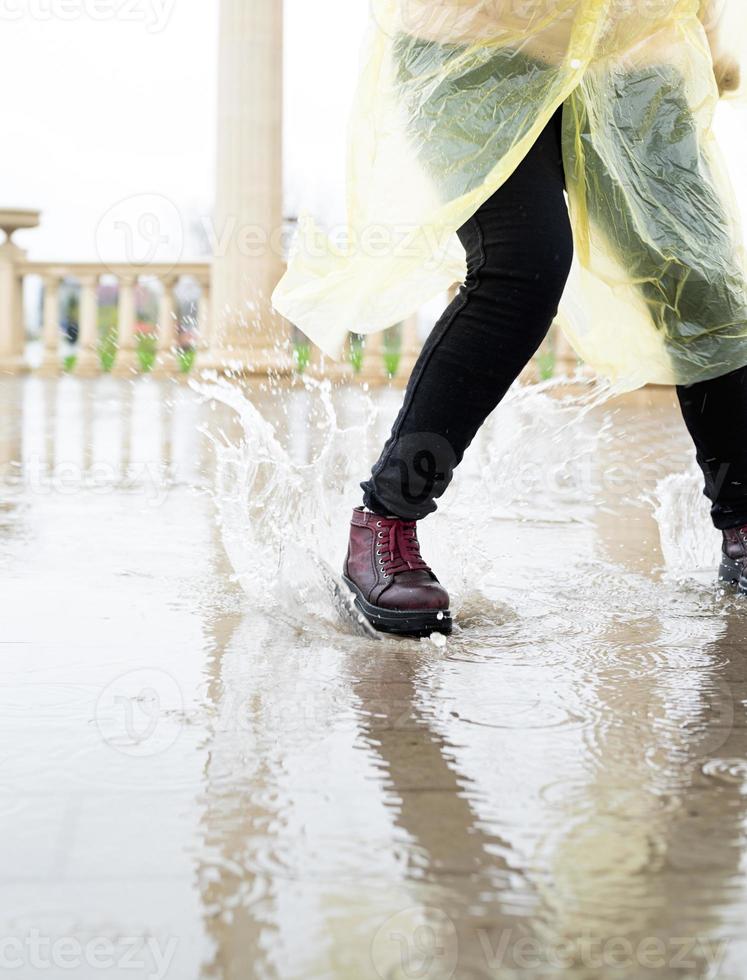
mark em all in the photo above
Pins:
pixel 558 789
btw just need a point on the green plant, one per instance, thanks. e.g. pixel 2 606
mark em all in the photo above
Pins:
pixel 301 355
pixel 146 350
pixel 356 351
pixel 392 349
pixel 185 357
pixel 546 361
pixel 107 321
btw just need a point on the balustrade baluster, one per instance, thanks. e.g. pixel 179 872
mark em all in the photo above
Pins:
pixel 126 363
pixel 167 328
pixel 50 364
pixel 88 359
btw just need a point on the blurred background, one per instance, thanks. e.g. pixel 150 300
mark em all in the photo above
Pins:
pixel 151 151
pixel 204 773
pixel 119 190
pixel 116 106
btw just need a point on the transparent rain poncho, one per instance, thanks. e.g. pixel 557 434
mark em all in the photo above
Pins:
pixel 452 95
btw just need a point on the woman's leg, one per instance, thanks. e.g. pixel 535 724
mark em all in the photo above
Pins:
pixel 715 413
pixel 519 250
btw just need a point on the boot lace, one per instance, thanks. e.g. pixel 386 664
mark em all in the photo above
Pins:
pixel 398 548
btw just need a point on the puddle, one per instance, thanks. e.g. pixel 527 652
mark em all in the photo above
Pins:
pixel 197 747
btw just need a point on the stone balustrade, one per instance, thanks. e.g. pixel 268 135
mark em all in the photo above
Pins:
pixel 373 359
pixel 89 277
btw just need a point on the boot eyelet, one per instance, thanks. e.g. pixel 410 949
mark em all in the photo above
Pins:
pixel 378 524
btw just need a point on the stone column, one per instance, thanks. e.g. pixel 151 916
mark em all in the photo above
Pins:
pixel 11 309
pixel 248 204
pixel 12 339
pixel 167 329
pixel 372 371
pixel 126 363
pixel 50 364
pixel 88 360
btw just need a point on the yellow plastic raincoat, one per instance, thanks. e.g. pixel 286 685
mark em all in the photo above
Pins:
pixel 453 93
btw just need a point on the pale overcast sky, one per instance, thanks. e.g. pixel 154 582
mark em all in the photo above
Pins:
pixel 98 111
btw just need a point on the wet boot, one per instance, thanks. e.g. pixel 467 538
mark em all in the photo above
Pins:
pixel 393 586
pixel 734 558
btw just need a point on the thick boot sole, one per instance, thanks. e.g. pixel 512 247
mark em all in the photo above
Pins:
pixel 410 622
pixel 733 572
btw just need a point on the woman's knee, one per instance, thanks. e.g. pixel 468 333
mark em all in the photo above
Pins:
pixel 546 254
pixel 522 254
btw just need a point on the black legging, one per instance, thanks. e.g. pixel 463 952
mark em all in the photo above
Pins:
pixel 519 250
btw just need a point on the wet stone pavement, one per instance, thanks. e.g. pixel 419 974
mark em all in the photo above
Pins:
pixel 206 774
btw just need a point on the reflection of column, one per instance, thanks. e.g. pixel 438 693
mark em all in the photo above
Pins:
pixel 35 426
pixel 167 328
pixel 248 212
pixel 50 364
pixel 88 362
pixel 15 466
pixel 126 362
pixel 239 804
pixel 467 866
pixel 89 395
pixel 46 450
pixel 124 462
pixel 394 808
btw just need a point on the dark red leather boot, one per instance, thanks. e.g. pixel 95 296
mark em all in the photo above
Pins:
pixel 393 586
pixel 734 557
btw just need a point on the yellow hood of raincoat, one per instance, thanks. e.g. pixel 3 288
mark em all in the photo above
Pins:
pixel 452 95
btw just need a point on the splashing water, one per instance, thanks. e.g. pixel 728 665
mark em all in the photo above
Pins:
pixel 688 543
pixel 280 518
pixel 540 446
pixel 285 488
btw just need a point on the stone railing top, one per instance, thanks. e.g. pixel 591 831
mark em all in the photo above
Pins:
pixel 13 219
pixel 122 270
